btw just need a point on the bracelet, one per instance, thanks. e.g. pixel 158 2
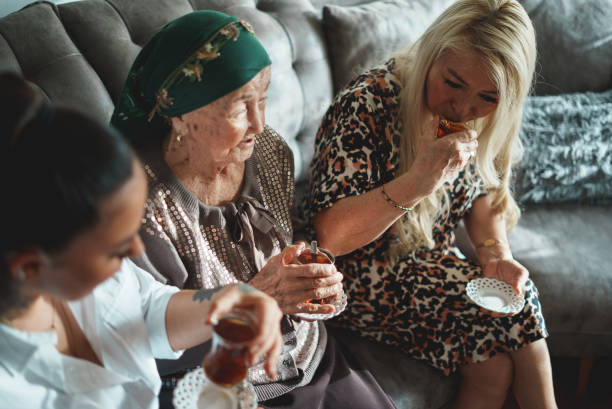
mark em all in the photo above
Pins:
pixel 490 243
pixel 394 203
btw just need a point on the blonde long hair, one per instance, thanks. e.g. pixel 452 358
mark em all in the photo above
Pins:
pixel 501 32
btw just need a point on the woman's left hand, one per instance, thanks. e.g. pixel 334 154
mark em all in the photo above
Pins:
pixel 509 271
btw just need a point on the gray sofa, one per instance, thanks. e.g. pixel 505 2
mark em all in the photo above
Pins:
pixel 79 54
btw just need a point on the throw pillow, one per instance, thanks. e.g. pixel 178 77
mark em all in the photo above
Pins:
pixel 574 44
pixel 568 149
pixel 360 37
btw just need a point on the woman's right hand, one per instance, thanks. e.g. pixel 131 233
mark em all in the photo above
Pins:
pixel 291 285
pixel 438 160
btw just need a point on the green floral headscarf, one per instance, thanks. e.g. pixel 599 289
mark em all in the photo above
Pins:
pixel 189 63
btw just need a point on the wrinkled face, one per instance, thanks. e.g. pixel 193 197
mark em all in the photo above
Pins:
pixel 459 87
pixel 96 254
pixel 224 130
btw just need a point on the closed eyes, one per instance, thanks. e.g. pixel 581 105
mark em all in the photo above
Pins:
pixel 484 97
pixel 244 108
pixel 452 84
pixel 488 98
pixel 122 254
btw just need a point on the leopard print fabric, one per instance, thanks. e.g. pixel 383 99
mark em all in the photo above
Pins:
pixel 418 302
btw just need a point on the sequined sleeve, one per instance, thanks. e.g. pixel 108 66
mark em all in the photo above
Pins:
pixel 275 163
pixel 161 259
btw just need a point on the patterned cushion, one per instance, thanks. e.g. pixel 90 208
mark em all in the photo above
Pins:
pixel 568 149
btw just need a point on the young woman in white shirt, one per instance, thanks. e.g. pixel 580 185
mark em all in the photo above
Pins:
pixel 80 324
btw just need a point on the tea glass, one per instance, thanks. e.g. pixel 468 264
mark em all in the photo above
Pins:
pixel 446 127
pixel 315 254
pixel 227 362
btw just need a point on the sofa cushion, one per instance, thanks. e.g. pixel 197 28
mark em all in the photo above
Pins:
pixel 412 384
pixel 568 149
pixel 567 249
pixel 574 44
pixel 35 43
pixel 80 52
pixel 360 37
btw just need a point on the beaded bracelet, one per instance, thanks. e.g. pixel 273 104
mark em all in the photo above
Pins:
pixel 393 202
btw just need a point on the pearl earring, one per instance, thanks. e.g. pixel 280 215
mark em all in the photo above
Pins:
pixel 179 137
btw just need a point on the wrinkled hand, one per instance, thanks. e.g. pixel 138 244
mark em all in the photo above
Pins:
pixel 438 160
pixel 268 340
pixel 291 285
pixel 509 271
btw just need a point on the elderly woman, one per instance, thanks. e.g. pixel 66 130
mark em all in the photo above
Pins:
pixel 221 191
pixel 381 157
pixel 80 324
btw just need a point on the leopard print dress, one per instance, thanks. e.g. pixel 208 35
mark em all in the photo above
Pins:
pixel 417 303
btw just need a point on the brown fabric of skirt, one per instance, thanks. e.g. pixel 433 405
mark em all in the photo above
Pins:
pixel 339 383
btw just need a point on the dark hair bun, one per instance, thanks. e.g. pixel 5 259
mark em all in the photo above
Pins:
pixel 19 104
pixel 57 167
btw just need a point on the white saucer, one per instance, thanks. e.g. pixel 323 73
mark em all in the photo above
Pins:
pixel 495 295
pixel 188 390
pixel 339 304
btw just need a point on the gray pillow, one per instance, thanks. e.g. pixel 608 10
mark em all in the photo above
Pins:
pixel 360 37
pixel 574 40
pixel 568 149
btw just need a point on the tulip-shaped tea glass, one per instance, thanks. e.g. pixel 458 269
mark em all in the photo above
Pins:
pixel 315 254
pixel 226 364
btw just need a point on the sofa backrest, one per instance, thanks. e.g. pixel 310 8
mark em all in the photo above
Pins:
pixel 79 54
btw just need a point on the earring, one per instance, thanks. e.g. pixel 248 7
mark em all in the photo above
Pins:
pixel 179 136
pixel 21 275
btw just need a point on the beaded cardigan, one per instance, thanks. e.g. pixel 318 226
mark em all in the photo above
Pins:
pixel 193 245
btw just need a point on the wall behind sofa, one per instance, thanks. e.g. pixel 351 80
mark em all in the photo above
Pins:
pixel 9 6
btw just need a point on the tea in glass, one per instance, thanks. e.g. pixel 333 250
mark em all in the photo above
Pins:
pixel 315 254
pixel 447 127
pixel 226 364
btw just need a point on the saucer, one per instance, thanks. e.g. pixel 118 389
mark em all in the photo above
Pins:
pixel 188 390
pixel 339 304
pixel 494 295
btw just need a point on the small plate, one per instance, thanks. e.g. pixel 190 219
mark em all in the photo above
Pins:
pixel 339 304
pixel 188 390
pixel 495 295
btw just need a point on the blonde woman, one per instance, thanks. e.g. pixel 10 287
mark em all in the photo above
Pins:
pixel 386 193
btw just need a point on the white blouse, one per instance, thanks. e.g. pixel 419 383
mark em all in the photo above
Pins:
pixel 124 320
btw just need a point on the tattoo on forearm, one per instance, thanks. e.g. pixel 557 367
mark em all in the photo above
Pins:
pixel 204 294
pixel 245 288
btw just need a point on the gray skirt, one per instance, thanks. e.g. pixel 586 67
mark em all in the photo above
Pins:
pixel 339 383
